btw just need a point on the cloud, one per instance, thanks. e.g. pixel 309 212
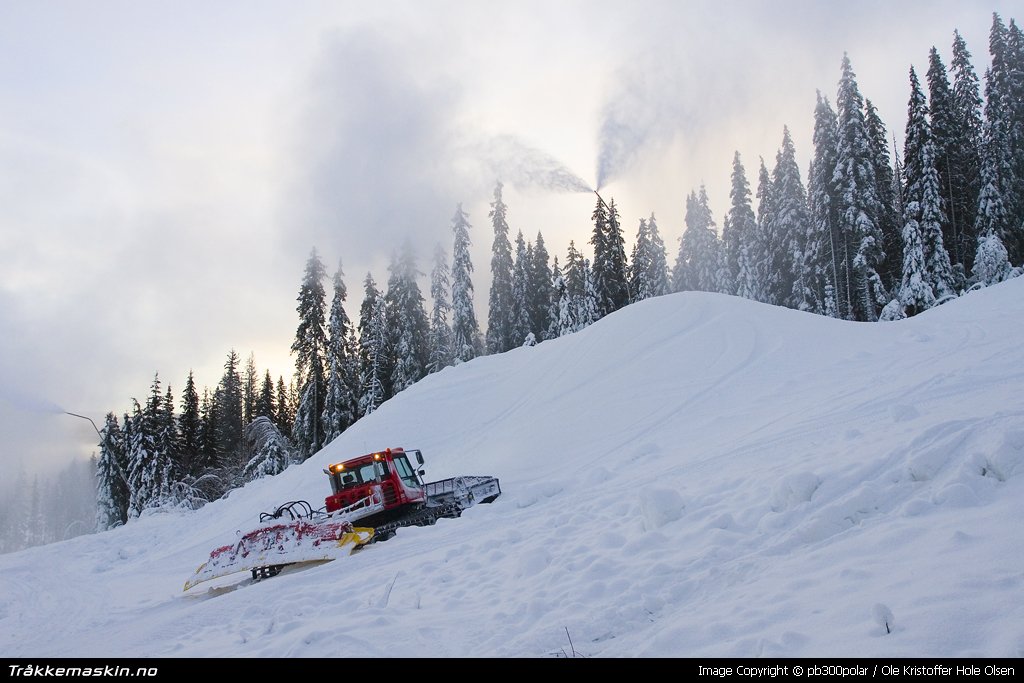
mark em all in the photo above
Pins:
pixel 384 155
pixel 374 157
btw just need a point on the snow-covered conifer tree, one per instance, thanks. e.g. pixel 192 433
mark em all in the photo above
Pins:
pixel 791 223
pixel 341 402
pixel 467 343
pixel 924 203
pixel 519 323
pixel 310 349
pixel 112 495
pixel 889 218
pixel 407 322
pixel 965 150
pixel 441 352
pixel 915 292
pixel 499 316
pixel 859 205
pixel 610 267
pixel 823 200
pixel 538 292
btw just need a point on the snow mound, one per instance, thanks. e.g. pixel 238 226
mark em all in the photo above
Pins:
pixel 693 475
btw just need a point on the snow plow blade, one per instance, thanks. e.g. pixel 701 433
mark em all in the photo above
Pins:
pixel 279 544
pixel 311 536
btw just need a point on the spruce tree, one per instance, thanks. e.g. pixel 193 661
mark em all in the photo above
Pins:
pixel 441 343
pixel 466 341
pixel 965 150
pixel 555 305
pixel 499 316
pixel 374 352
pixel 609 269
pixel 308 433
pixel 147 466
pixel 340 403
pixel 600 231
pixel 735 230
pixel 683 278
pixel 578 307
pixel 859 205
pixel 767 249
pixel 889 217
pixel 639 264
pixel 739 240
pixel 169 440
pixel 249 389
pixel 1008 77
pixel 266 404
pixel 700 246
pixel 374 343
pixel 899 201
pixel 519 322
pixel 791 226
pixel 992 218
pixel 657 274
pixel 573 285
pixel 992 264
pixel 190 429
pixel 160 414
pixel 915 293
pixel 407 322
pixel 587 311
pixel 823 200
pixel 924 204
pixel 112 494
pixel 282 408
pixel 1003 167
pixel 310 349
pixel 538 291
pixel 210 454
pixel 229 414
pixel 940 122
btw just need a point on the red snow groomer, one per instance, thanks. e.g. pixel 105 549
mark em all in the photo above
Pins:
pixel 381 491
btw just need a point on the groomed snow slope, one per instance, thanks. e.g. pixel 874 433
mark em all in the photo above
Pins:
pixel 694 475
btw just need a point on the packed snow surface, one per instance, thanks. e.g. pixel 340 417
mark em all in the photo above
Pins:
pixel 694 475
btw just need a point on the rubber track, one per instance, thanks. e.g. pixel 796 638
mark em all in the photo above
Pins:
pixel 421 517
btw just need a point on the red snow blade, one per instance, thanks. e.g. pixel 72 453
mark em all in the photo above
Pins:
pixel 304 540
pixel 277 544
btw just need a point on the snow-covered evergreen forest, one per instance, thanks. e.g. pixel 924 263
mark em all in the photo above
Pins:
pixel 867 232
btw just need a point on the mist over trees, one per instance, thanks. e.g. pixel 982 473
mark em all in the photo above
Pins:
pixel 44 509
pixel 868 232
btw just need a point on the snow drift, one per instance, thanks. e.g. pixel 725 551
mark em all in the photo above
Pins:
pixel 693 475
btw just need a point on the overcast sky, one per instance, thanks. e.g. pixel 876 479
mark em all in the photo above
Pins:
pixel 165 167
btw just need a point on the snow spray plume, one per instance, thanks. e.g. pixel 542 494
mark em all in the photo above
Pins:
pixel 521 165
pixel 647 107
pixel 30 404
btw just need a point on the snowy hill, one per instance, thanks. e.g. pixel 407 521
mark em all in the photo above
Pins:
pixel 693 475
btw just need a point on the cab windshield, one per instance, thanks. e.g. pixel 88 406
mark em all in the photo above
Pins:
pixel 361 474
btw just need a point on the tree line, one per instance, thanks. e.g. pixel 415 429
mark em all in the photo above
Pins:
pixel 155 456
pixel 871 236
